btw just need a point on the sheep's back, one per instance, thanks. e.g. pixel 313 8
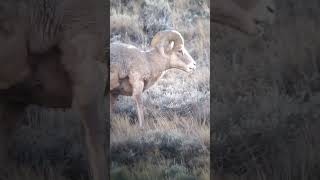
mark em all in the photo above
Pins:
pixel 127 58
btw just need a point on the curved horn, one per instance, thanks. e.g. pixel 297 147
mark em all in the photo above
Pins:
pixel 164 38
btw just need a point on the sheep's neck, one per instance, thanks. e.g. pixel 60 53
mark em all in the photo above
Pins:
pixel 157 64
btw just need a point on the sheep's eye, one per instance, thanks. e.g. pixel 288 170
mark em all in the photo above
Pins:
pixel 4 28
pixel 180 51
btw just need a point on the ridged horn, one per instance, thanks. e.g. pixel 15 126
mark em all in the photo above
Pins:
pixel 164 38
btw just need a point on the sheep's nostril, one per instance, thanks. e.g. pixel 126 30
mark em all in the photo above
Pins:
pixel 270 9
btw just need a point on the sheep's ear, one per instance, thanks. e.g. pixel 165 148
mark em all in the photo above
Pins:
pixel 170 46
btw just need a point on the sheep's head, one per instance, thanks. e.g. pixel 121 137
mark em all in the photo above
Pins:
pixel 170 45
pixel 248 16
pixel 262 11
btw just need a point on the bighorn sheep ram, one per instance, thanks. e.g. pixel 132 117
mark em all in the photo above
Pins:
pixel 244 15
pixel 132 70
pixel 65 40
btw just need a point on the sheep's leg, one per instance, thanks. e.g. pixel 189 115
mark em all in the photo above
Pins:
pixel 114 78
pixel 113 98
pixel 82 58
pixel 9 115
pixel 136 95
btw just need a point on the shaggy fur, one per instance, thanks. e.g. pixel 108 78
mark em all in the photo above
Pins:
pixel 52 54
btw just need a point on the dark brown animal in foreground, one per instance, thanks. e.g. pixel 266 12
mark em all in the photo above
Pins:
pixel 74 76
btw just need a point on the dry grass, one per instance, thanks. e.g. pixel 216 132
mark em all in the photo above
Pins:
pixel 265 99
pixel 174 144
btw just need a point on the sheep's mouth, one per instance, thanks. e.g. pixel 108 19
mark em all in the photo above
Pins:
pixel 260 25
pixel 271 9
pixel 259 22
pixel 191 69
